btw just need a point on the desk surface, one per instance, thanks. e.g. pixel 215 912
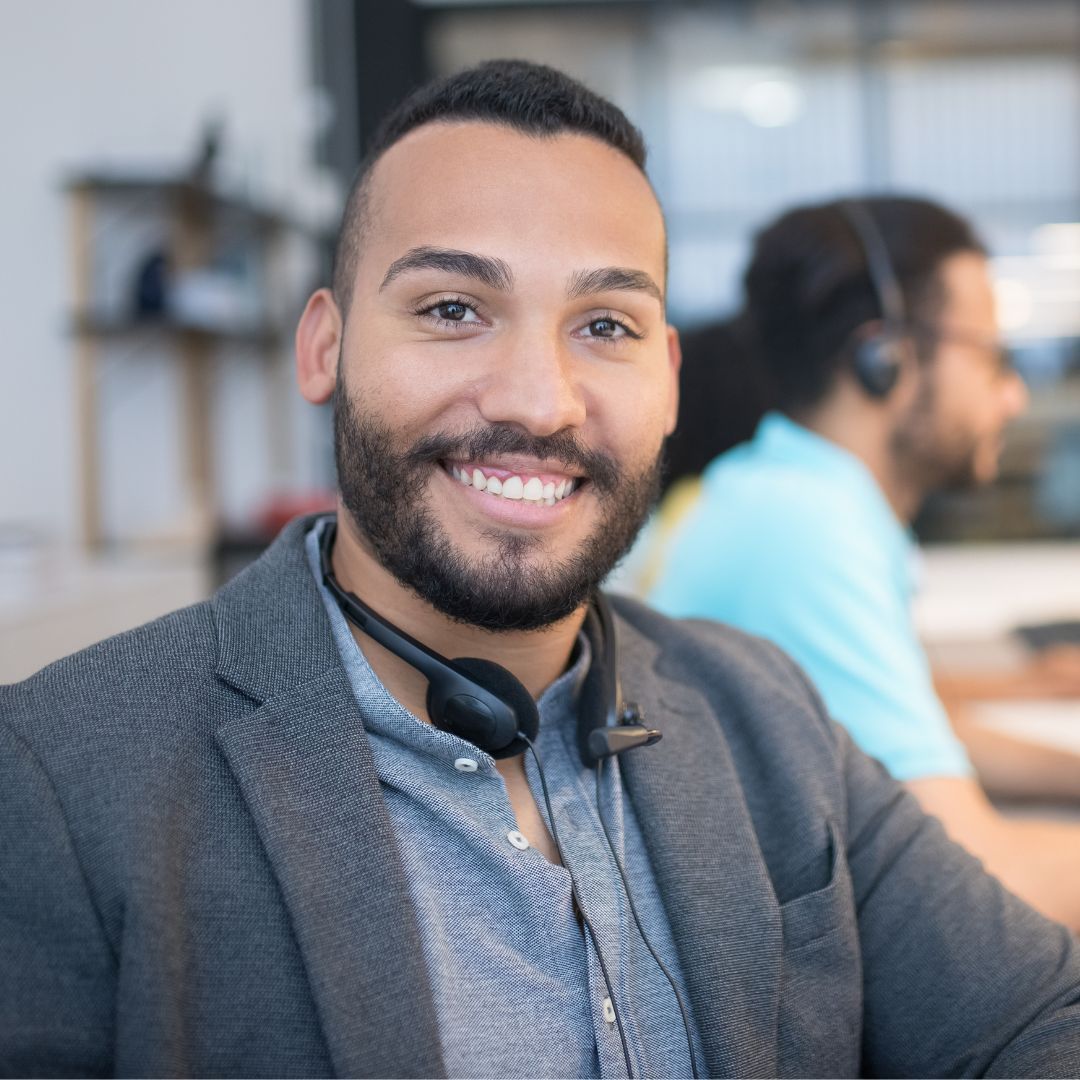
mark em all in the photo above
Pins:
pixel 982 591
pixel 1051 723
pixel 971 600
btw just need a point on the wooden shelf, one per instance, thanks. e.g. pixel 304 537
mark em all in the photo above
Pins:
pixel 110 329
pixel 186 193
pixel 199 230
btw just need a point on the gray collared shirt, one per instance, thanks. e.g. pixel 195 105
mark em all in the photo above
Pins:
pixel 518 986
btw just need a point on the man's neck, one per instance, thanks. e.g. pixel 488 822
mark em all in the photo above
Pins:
pixel 537 657
pixel 864 431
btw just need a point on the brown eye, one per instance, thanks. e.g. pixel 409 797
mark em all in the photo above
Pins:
pixel 452 311
pixel 605 328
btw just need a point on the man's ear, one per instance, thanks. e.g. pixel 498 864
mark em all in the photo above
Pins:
pixel 674 364
pixel 318 345
pixel 910 378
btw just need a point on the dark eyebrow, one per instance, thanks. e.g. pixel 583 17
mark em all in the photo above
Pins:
pixel 491 272
pixel 608 278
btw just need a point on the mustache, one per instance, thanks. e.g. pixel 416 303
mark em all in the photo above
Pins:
pixel 494 439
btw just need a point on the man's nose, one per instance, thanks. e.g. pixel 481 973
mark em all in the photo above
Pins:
pixel 535 383
pixel 1015 394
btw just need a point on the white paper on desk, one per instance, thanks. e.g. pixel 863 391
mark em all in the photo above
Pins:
pixel 1052 723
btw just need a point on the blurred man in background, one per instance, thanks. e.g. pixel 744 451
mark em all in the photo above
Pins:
pixel 874 321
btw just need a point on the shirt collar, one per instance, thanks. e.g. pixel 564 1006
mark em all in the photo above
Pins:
pixel 780 438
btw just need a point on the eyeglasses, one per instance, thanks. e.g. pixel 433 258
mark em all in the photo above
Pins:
pixel 1002 358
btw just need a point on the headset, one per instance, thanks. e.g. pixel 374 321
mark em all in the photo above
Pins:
pixel 483 703
pixel 878 358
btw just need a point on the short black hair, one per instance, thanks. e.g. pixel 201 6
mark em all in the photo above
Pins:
pixel 530 98
pixel 722 396
pixel 808 287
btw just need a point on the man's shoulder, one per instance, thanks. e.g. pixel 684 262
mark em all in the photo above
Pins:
pixel 172 663
pixel 151 666
pixel 755 529
pixel 751 492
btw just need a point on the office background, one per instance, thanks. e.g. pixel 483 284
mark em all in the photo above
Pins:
pixel 172 175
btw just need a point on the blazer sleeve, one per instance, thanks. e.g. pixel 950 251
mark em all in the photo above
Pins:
pixel 960 977
pixel 57 970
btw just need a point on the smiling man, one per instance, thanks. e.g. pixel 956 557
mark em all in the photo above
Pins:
pixel 281 833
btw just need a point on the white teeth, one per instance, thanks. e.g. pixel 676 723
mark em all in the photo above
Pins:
pixel 533 490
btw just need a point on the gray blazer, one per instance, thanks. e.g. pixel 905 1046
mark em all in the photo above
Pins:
pixel 198 875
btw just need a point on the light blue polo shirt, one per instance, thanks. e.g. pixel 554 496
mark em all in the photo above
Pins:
pixel 793 540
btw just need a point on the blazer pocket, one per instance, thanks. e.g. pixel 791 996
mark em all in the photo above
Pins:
pixel 817 914
pixel 820 1016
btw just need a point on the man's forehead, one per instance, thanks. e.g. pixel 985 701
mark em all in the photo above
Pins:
pixel 968 281
pixel 466 141
pixel 487 187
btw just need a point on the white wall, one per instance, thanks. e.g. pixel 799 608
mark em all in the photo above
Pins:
pixel 120 83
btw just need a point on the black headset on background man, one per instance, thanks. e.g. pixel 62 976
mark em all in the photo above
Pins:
pixel 878 358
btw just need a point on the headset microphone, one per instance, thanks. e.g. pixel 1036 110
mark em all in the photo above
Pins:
pixel 607 726
pixel 605 741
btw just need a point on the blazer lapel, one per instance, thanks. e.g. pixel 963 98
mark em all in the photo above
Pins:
pixel 305 769
pixel 704 852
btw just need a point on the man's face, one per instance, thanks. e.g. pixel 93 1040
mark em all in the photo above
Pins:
pixel 506 376
pixel 951 435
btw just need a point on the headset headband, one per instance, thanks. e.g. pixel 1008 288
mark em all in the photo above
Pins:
pixel 878 265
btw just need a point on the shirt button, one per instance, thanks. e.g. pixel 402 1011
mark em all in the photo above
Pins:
pixel 609 1011
pixel 465 764
pixel 517 840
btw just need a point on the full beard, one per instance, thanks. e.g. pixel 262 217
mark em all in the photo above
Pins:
pixel 510 587
pixel 930 456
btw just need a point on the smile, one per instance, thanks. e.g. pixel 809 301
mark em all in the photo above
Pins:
pixel 539 490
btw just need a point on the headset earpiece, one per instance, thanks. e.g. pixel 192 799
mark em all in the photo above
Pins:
pixel 495 726
pixel 475 699
pixel 877 364
pixel 878 358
